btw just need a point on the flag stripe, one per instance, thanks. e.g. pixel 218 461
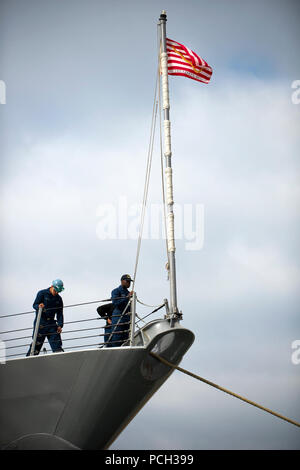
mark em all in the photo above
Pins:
pixel 178 64
pixel 188 74
pixel 188 59
pixel 185 62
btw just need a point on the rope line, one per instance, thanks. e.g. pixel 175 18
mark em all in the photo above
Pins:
pixel 153 311
pixel 212 384
pixel 146 305
pixel 147 179
pixel 143 318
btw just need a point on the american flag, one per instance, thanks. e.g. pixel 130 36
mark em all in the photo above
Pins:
pixel 183 61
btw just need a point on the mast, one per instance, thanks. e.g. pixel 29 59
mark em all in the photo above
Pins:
pixel 168 164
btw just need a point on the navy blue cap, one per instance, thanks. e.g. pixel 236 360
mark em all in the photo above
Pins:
pixel 126 277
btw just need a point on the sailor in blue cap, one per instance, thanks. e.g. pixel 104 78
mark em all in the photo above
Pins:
pixel 120 322
pixel 51 303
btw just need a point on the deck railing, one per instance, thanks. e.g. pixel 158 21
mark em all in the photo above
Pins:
pixel 18 343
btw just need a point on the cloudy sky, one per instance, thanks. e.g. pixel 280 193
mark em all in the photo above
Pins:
pixel 73 139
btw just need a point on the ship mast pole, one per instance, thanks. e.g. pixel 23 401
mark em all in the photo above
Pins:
pixel 168 164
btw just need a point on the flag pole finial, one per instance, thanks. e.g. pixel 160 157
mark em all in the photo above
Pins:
pixel 163 15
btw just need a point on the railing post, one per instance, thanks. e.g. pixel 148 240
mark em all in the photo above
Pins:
pixel 132 322
pixel 37 327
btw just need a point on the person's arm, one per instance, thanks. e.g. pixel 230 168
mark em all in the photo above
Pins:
pixel 60 315
pixel 117 302
pixel 38 300
pixel 110 310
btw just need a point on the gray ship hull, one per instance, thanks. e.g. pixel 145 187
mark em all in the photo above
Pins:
pixel 84 399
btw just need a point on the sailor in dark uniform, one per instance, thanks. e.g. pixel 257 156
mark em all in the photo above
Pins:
pixel 120 318
pixel 105 311
pixel 52 304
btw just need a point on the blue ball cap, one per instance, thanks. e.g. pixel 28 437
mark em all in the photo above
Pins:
pixel 126 277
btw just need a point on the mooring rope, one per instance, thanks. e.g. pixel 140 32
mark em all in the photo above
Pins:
pixel 212 384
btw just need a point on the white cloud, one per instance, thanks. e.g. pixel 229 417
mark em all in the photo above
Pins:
pixel 267 267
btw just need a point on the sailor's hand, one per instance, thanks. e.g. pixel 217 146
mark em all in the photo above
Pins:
pixel 41 305
pixel 130 294
pixel 59 329
pixel 109 321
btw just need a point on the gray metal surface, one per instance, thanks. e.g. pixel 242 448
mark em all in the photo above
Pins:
pixel 85 398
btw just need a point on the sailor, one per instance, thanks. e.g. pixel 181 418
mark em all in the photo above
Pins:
pixel 120 319
pixel 51 303
pixel 105 311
